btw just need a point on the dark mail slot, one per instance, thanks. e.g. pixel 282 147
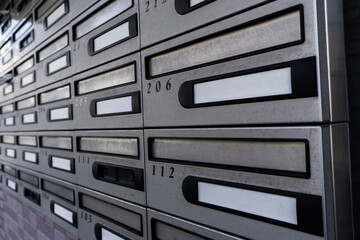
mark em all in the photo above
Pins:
pixel 29 178
pixel 6 25
pixel 32 196
pixel 58 190
pixel 9 170
pixel 124 176
pixel 22 5
pixel 129 220
pixel 29 38
pixel 183 7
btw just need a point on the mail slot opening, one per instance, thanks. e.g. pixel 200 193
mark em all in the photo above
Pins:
pixel 32 196
pixel 183 7
pixel 124 176
pixel 29 38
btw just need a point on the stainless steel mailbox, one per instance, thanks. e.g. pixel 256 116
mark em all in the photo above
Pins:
pixel 29 188
pixel 10 181
pixel 8 116
pixel 109 96
pixel 54 58
pixel 106 31
pixel 52 15
pixel 26 117
pixel 7 54
pixel 263 183
pixel 57 156
pixel 56 110
pixel 23 37
pixel 25 75
pixel 257 67
pixel 181 16
pixel 28 150
pixel 59 203
pixel 7 88
pixel 163 226
pixel 112 162
pixel 8 145
pixel 102 217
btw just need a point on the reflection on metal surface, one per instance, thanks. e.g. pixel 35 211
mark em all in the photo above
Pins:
pixel 55 95
pixel 278 31
pixel 113 78
pixel 101 16
pixel 107 145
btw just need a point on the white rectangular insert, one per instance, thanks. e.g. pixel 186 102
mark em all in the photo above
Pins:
pixel 56 15
pixel 11 184
pixel 10 152
pixel 63 213
pixel 60 114
pixel 29 118
pixel 107 235
pixel 58 64
pixel 262 84
pixel 111 37
pixel 9 121
pixel 114 106
pixel 61 163
pixel 8 89
pixel 28 79
pixel 195 2
pixel 276 207
pixel 30 157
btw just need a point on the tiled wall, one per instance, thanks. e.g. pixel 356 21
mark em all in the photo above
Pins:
pixel 21 222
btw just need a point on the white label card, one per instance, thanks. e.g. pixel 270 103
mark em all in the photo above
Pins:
pixel 11 184
pixel 107 235
pixel 262 84
pixel 30 157
pixel 277 207
pixel 63 213
pixel 61 163
pixel 59 114
pixel 10 152
pixel 113 106
pixel 29 118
